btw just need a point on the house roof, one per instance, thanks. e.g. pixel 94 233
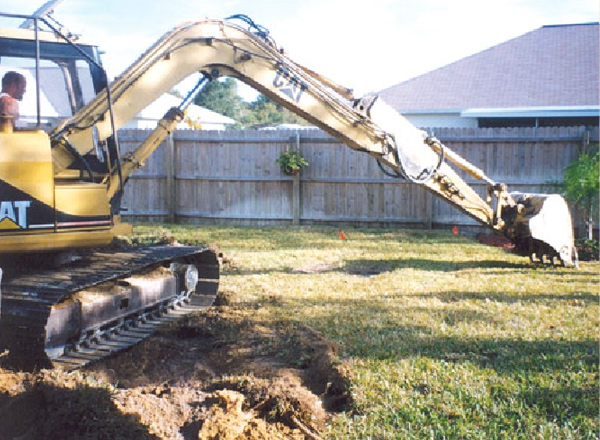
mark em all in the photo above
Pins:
pixel 553 66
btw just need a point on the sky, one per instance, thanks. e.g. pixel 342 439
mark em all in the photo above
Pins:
pixel 365 45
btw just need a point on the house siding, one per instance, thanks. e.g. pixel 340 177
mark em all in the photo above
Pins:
pixel 451 120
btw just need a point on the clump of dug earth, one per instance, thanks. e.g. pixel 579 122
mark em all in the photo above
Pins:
pixel 220 374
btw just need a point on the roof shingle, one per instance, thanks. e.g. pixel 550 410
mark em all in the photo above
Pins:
pixel 550 66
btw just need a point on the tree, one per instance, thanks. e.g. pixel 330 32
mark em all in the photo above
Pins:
pixel 221 97
pixel 263 112
pixel 582 187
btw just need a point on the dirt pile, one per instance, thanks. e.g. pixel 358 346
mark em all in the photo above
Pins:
pixel 221 374
pixel 498 241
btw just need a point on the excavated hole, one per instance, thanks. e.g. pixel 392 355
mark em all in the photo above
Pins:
pixel 221 374
pixel 259 379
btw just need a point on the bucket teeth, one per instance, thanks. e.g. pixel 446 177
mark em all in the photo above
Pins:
pixel 540 226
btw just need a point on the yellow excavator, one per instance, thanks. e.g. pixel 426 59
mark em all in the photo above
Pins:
pixel 62 176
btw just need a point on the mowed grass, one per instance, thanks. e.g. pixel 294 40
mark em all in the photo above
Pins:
pixel 447 338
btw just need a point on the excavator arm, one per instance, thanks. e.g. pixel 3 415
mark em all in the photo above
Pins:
pixel 222 48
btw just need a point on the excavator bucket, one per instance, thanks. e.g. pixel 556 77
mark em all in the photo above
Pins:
pixel 542 229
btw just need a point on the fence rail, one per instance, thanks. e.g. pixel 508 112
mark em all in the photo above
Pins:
pixel 232 176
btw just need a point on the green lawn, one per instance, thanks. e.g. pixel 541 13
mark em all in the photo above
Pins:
pixel 447 338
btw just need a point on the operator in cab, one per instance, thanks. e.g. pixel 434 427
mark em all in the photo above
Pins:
pixel 13 89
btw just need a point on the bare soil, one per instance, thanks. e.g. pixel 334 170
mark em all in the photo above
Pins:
pixel 495 240
pixel 221 374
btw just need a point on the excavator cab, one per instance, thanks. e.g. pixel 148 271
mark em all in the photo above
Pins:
pixel 40 209
pixel 60 77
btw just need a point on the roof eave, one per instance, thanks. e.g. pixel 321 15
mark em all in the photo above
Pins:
pixel 533 112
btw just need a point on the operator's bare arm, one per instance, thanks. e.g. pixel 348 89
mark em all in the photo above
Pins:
pixel 9 109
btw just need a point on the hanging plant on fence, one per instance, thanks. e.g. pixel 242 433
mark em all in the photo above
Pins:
pixel 291 162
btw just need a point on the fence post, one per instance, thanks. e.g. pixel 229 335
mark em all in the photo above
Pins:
pixel 296 200
pixel 170 172
pixel 429 204
pixel 296 186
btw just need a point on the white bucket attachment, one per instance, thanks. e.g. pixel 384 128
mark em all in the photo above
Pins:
pixel 542 228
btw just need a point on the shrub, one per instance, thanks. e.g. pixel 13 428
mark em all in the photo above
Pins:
pixel 582 185
pixel 587 249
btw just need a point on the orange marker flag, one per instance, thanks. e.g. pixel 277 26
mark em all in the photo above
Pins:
pixel 343 236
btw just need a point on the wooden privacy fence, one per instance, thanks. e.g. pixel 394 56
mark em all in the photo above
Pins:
pixel 231 177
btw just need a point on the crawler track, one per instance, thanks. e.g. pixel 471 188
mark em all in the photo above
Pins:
pixel 122 336
pixel 30 303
